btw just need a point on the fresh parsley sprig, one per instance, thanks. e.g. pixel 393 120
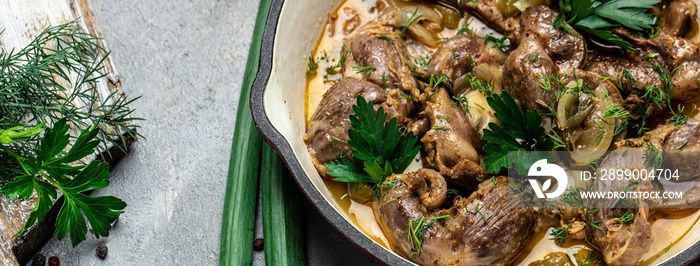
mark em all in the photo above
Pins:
pixel 380 148
pixel 519 133
pixel 597 17
pixel 54 170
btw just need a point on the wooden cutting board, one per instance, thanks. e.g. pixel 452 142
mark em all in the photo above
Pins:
pixel 22 21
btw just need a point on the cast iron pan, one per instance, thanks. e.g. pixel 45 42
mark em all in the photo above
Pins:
pixel 340 224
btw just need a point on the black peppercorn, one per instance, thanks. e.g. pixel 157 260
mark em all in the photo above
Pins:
pixel 258 244
pixel 102 251
pixel 39 260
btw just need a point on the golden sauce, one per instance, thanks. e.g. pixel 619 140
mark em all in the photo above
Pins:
pixel 667 228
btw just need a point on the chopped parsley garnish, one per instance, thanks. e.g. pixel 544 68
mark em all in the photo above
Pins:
pixel 518 133
pixel 380 147
pixel 441 128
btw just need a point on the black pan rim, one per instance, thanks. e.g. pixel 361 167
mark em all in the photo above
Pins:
pixel 273 137
pixel 280 144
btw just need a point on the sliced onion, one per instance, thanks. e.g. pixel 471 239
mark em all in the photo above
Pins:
pixel 405 14
pixel 578 105
pixel 480 113
pixel 581 119
pixel 461 85
pixel 411 16
pixel 524 4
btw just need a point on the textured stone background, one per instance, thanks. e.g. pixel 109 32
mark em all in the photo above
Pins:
pixel 186 59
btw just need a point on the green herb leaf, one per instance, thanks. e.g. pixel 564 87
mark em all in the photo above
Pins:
pixel 518 133
pixel 53 170
pixel 597 17
pixel 560 234
pixel 8 136
pixel 380 147
pixel 629 13
pixel 502 43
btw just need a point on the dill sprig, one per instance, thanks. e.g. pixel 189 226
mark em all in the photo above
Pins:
pixel 54 77
pixel 560 234
pixel 593 258
pixel 502 43
pixel 416 233
pixel 627 218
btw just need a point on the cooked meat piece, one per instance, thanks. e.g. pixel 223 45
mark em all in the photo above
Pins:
pixel 678 18
pixel 681 146
pixel 526 66
pixel 388 57
pixel 678 57
pixel 465 237
pixel 592 81
pixel 458 55
pixel 463 54
pixel 544 51
pixel 452 144
pixel 619 242
pixel 488 11
pixel 331 119
pixel 683 56
pixel 685 138
pixel 566 50
pixel 634 76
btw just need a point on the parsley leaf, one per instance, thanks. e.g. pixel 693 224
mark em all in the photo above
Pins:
pixel 380 148
pixel 53 170
pixel 597 17
pixel 519 133
pixel 631 14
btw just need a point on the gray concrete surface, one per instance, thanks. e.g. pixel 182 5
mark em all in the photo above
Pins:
pixel 186 59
